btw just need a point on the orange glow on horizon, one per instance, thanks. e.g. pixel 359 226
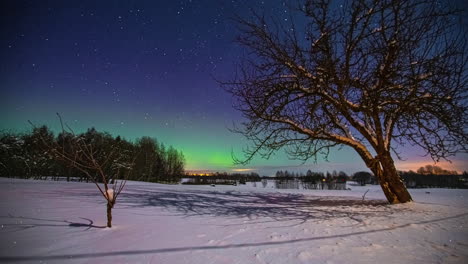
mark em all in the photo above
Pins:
pixel 242 170
pixel 415 165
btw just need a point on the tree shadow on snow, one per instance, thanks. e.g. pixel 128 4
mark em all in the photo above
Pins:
pixel 264 207
pixel 254 205
pixel 231 246
pixel 23 223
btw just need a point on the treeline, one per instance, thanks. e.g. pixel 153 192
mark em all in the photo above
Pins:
pixel 434 170
pixel 281 180
pixel 421 180
pixel 222 178
pixel 427 177
pixel 312 175
pixel 25 156
pixel 311 180
pixel 417 180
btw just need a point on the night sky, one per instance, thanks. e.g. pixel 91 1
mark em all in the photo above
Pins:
pixel 140 68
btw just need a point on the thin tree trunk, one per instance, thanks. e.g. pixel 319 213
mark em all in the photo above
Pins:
pixel 109 214
pixel 390 181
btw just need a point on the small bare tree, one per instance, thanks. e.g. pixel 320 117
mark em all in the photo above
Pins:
pixel 107 168
pixel 367 74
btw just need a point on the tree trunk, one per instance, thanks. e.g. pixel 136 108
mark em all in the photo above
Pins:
pixel 109 214
pixel 390 181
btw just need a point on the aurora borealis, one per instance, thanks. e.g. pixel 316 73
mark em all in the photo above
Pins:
pixel 138 68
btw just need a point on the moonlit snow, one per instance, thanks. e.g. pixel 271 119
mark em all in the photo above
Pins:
pixel 110 194
pixel 60 222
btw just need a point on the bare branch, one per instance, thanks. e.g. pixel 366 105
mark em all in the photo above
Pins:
pixel 368 75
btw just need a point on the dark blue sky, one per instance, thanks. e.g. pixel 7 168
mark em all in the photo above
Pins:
pixel 134 68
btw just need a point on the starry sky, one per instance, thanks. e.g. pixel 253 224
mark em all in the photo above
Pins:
pixel 140 68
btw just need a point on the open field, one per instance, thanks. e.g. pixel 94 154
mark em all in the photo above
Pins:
pixel 60 222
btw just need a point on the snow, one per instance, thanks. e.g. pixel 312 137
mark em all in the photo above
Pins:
pixel 60 222
pixel 110 194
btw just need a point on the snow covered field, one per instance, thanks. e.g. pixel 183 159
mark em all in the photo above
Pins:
pixel 60 222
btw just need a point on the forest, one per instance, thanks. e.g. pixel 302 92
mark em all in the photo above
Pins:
pixel 28 155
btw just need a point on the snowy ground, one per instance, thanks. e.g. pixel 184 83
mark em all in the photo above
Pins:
pixel 59 222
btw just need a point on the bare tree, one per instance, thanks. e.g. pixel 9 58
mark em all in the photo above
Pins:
pixel 106 166
pixel 367 74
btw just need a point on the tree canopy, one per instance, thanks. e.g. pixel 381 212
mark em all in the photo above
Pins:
pixel 367 74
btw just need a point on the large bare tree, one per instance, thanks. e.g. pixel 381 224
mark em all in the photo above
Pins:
pixel 368 74
pixel 101 159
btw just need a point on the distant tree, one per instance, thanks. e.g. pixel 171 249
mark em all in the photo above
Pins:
pixel 175 164
pixel 368 74
pixel 160 161
pixel 312 180
pixel 39 160
pixel 147 159
pixel 279 174
pixel 342 174
pixel 435 170
pixel 342 177
pixel 97 156
pixel 362 177
pixel 13 160
pixel 156 163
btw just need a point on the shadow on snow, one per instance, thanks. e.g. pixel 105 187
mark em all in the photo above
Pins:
pixel 252 205
pixel 182 249
pixel 31 222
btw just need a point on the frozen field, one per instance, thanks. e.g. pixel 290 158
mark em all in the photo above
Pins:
pixel 59 222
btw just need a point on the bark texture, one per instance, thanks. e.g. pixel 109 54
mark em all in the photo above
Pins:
pixel 390 181
pixel 384 169
pixel 109 214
